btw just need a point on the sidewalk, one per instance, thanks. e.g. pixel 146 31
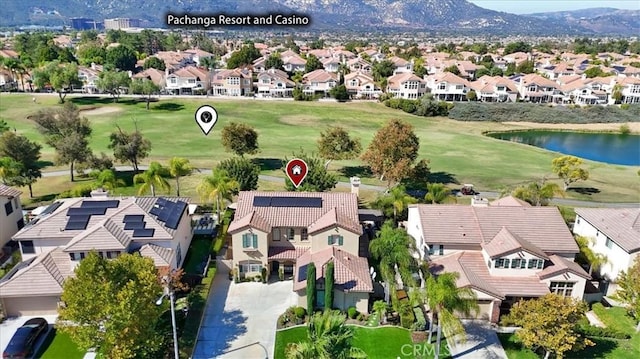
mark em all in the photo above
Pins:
pixel 482 342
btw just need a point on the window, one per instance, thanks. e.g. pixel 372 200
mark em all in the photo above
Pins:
pixel 502 263
pixel 335 239
pixel 178 255
pixel 20 223
pixel 173 80
pixel 535 263
pixel 276 235
pixel 432 249
pixel 250 267
pixel 233 81
pixel 8 208
pixel 250 240
pixel 291 235
pixel 562 288
pixel 27 247
pixel 304 235
pixel 609 243
pixel 442 86
pixel 112 254
pixel 441 250
pixel 191 81
pixel 516 263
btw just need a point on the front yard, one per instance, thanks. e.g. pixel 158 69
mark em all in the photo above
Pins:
pixel 59 345
pixel 381 342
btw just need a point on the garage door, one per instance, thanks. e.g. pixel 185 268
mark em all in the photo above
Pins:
pixel 484 311
pixel 31 306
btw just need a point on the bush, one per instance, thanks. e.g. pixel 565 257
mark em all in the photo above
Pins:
pixel 264 275
pixel 360 317
pixel 625 106
pixel 82 190
pixel 352 312
pixel 300 312
pixel 625 129
pixel 592 331
pixel 421 321
pixel 407 319
pixel 281 273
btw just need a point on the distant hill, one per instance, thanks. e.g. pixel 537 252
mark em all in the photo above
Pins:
pixel 440 16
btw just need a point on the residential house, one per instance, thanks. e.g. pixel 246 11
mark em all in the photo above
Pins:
pixel 331 64
pixel 359 64
pixel 7 80
pixel 504 252
pixel 581 92
pixel 234 82
pixel 537 89
pixel 285 231
pixel 361 86
pixel 292 62
pixel 174 60
pixel 187 81
pixel 11 218
pixel 401 66
pixel 55 242
pixel 467 69
pixel 89 77
pixel 154 75
pixel 319 81
pixel 494 89
pixel 554 72
pixel 198 56
pixel 447 86
pixel 274 83
pixel 373 54
pixel 406 85
pixel 321 54
pixel 613 232
pixel 630 89
pixel 517 57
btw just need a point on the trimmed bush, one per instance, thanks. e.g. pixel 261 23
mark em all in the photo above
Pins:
pixel 352 312
pixel 281 273
pixel 300 312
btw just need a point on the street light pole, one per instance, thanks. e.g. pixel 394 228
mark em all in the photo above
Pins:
pixel 173 324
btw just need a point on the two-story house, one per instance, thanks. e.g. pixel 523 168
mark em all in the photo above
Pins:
pixel 495 89
pixel 331 64
pixel 187 81
pixel 11 218
pixel 630 89
pixel 447 86
pixel 401 66
pixel 406 85
pixel 154 75
pixel 537 89
pixel 234 82
pixel 274 83
pixel 319 81
pixel 613 232
pixel 292 62
pixel 504 252
pixel 359 65
pixel 89 77
pixel 361 85
pixel 55 242
pixel 285 231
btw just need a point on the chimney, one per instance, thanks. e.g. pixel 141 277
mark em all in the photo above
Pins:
pixel 100 193
pixel 355 185
pixel 93 66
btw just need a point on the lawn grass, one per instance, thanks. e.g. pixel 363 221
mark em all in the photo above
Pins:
pixel 458 151
pixel 513 348
pixel 198 252
pixel 378 343
pixel 59 345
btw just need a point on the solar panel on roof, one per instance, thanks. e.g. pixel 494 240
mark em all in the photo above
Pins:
pixel 165 213
pixel 133 218
pixel 308 202
pixel 134 225
pixel 86 211
pixel 155 210
pixel 100 204
pixel 161 201
pixel 260 201
pixel 143 233
pixel 75 225
pixel 79 218
pixel 51 208
pixel 176 215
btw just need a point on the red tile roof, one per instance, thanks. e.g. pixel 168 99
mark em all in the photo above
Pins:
pixel 562 265
pixel 351 272
pixel 621 225
pixel 505 243
pixel 290 253
pixel 7 191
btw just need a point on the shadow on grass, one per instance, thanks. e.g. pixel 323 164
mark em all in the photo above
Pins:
pixel 88 100
pixel 356 171
pixel 268 164
pixel 603 347
pixel 442 177
pixel 168 106
pixel 126 177
pixel 43 164
pixel 51 334
pixel 584 190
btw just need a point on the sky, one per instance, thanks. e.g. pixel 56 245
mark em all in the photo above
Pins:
pixel 532 6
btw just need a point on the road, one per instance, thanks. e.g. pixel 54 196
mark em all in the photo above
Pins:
pixel 485 194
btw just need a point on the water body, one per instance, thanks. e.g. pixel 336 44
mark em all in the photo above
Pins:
pixel 611 148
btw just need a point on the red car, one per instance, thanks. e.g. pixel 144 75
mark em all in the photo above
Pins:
pixel 24 339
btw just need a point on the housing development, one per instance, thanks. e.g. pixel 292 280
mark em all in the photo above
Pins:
pixel 197 193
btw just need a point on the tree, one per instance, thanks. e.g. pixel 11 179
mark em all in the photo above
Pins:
pixel 629 290
pixel 218 187
pixel 392 152
pixel 380 307
pixel 240 139
pixel 243 171
pixel 393 247
pixel 144 87
pixel 110 303
pixel 107 179
pixel 569 170
pixel 179 167
pixel 587 255
pixel 9 169
pixel 313 63
pixel 336 144
pixel 437 193
pixel 113 83
pixel 596 71
pixel 243 57
pixel 67 132
pixel 155 176
pixel 526 67
pixel 121 57
pixel 617 94
pixel 394 204
pixel 26 157
pixel 129 147
pixel 61 77
pixel 518 46
pixel 318 178
pixel 472 96
pixel 340 93
pixel 419 177
pixel 329 281
pixel 274 62
pixel 311 287
pixel 538 193
pixel 383 69
pixel 453 69
pixel 91 52
pixel 550 323
pixel 153 62
pixel 4 126
pixel 445 299
pixel 328 337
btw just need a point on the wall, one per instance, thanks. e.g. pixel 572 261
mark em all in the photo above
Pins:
pixel 516 272
pixel 240 255
pixel 351 242
pixel 578 287
pixel 9 224
pixel 45 245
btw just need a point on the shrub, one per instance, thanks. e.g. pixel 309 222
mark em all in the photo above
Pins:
pixel 360 317
pixel 300 312
pixel 281 273
pixel 407 319
pixel 421 321
pixel 625 106
pixel 264 275
pixel 352 312
pixel 625 129
pixel 592 331
pixel 232 273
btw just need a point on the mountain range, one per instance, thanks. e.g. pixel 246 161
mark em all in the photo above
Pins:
pixel 437 16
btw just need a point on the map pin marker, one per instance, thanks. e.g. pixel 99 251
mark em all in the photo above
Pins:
pixel 297 171
pixel 206 118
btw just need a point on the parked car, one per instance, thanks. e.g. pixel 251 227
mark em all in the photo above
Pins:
pixel 24 339
pixel 468 190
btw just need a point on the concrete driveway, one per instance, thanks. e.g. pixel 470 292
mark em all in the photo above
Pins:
pixel 10 325
pixel 482 342
pixel 240 319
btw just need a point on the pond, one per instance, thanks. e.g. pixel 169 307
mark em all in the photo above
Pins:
pixel 611 148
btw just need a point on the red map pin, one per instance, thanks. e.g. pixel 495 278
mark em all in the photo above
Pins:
pixel 296 171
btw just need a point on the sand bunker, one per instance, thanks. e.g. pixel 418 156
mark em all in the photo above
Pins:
pixel 100 110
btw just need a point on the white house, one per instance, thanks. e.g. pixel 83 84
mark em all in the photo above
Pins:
pixel 406 85
pixel 11 219
pixel 188 80
pixel 447 86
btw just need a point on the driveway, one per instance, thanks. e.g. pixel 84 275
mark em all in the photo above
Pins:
pixel 10 325
pixel 240 319
pixel 482 342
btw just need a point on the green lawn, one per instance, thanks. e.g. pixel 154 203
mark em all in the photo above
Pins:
pixel 59 345
pixel 457 150
pixel 198 252
pixel 606 348
pixel 378 343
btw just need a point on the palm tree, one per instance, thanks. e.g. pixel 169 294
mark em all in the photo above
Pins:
pixel 436 193
pixel 393 248
pixel 107 179
pixel 380 307
pixel 218 187
pixel 397 200
pixel 538 193
pixel 327 338
pixel 179 167
pixel 444 298
pixel 587 255
pixel 155 175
